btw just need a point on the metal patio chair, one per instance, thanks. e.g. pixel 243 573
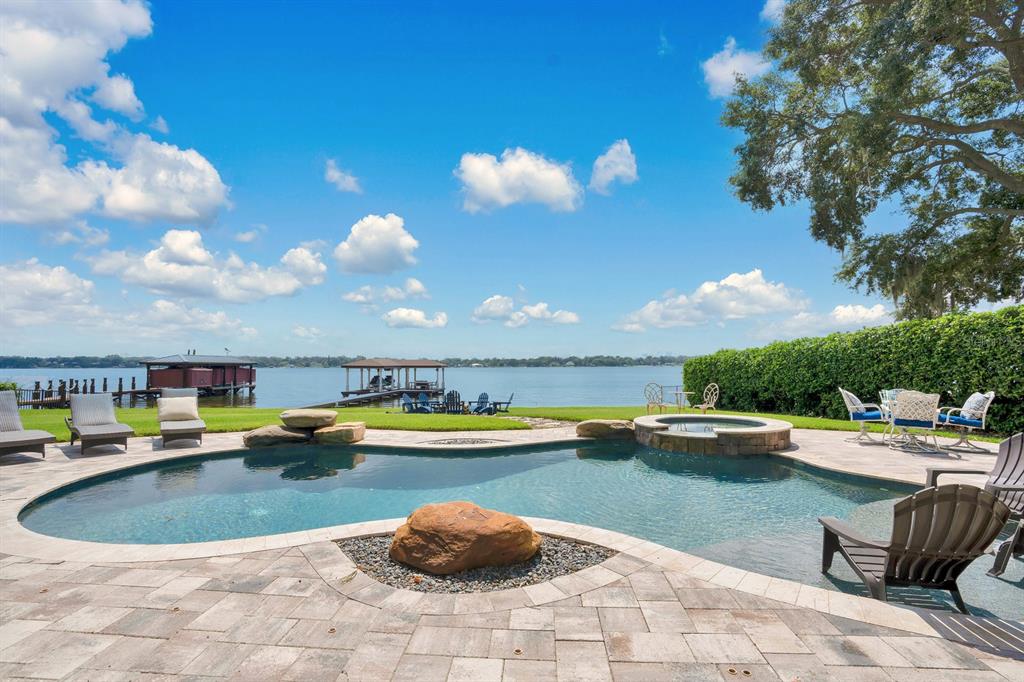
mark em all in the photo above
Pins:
pixel 970 417
pixel 915 410
pixel 862 413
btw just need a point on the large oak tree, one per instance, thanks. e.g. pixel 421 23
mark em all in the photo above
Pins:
pixel 906 106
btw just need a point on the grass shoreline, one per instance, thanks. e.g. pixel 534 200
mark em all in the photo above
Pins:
pixel 227 419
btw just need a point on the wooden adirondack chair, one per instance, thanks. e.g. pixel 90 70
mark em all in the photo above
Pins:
pixel 936 534
pixel 453 403
pixel 1005 481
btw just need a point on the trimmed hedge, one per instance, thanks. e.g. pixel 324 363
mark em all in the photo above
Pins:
pixel 954 355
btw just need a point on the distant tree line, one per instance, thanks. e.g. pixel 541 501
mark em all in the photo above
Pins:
pixel 91 361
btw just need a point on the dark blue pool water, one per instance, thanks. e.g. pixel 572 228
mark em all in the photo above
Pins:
pixel 739 511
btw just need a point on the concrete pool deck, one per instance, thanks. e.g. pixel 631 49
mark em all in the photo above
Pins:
pixel 292 606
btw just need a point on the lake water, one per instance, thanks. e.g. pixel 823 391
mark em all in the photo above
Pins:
pixel 297 386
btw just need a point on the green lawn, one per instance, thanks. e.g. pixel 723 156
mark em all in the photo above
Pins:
pixel 220 419
pixel 578 414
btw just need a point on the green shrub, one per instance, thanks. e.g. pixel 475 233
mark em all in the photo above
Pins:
pixel 8 386
pixel 954 355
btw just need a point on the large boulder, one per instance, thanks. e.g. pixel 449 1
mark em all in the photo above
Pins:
pixel 274 435
pixel 309 418
pixel 346 432
pixel 457 536
pixel 605 428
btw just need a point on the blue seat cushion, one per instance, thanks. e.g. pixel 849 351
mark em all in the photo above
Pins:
pixel 914 423
pixel 866 416
pixel 959 421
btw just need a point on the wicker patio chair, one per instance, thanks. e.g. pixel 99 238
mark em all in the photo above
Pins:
pixel 183 424
pixel 710 398
pixel 655 397
pixel 92 421
pixel 970 417
pixel 863 413
pixel 1005 481
pixel 915 410
pixel 936 534
pixel 13 436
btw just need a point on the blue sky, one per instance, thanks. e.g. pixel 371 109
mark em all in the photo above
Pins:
pixel 191 175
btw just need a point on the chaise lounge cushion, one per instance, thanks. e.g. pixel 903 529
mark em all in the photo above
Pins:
pixel 104 430
pixel 177 409
pixel 866 416
pixel 183 426
pixel 29 437
pixel 957 420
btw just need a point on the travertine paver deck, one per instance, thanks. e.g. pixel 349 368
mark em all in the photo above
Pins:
pixel 292 606
pixel 301 613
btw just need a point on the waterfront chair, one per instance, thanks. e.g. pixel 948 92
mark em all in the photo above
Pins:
pixel 411 406
pixel 936 534
pixel 710 398
pixel 423 403
pixel 453 403
pixel 178 413
pixel 1006 482
pixel 13 436
pixel 863 413
pixel 502 405
pixel 92 421
pixel 914 410
pixel 482 405
pixel 654 396
pixel 970 417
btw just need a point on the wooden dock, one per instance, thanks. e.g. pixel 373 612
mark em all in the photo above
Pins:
pixel 364 398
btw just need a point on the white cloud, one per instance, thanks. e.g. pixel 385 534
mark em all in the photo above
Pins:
pixel 369 296
pixel 772 10
pixel 521 176
pixel 182 266
pixel 249 236
pixel 162 182
pixel 342 180
pixel 53 60
pixel 722 68
pixel 503 308
pixel 841 318
pixel 377 244
pixel 665 48
pixel 34 294
pixel 82 233
pixel 412 317
pixel 308 333
pixel 734 297
pixel 159 124
pixel 617 163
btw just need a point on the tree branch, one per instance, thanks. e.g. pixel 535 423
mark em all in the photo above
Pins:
pixel 1008 124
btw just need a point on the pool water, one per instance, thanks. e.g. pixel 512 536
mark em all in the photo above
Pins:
pixel 708 424
pixel 739 511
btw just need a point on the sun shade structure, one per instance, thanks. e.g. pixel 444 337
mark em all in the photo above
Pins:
pixel 378 375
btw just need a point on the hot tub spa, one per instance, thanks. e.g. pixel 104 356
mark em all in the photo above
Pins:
pixel 700 434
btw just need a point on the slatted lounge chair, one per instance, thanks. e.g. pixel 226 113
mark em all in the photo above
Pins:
pixel 503 405
pixel 13 436
pixel 411 406
pixel 970 417
pixel 863 413
pixel 710 398
pixel 936 534
pixel 92 421
pixel 483 405
pixel 423 403
pixel 1005 481
pixel 915 410
pixel 453 403
pixel 180 420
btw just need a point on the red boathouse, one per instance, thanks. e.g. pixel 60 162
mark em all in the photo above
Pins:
pixel 211 374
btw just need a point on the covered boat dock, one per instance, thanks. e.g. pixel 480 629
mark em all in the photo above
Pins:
pixel 210 374
pixel 382 379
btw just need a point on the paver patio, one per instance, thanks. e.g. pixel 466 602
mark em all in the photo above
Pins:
pixel 301 611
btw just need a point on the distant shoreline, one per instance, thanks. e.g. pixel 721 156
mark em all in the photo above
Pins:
pixel 328 362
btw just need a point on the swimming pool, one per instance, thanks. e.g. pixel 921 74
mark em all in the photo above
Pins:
pixel 738 511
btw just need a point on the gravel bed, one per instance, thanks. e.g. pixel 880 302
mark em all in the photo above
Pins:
pixel 556 557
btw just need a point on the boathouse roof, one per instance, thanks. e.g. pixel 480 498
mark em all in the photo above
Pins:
pixel 198 360
pixel 383 363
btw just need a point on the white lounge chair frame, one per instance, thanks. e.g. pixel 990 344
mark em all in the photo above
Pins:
pixel 710 398
pixel 854 406
pixel 964 430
